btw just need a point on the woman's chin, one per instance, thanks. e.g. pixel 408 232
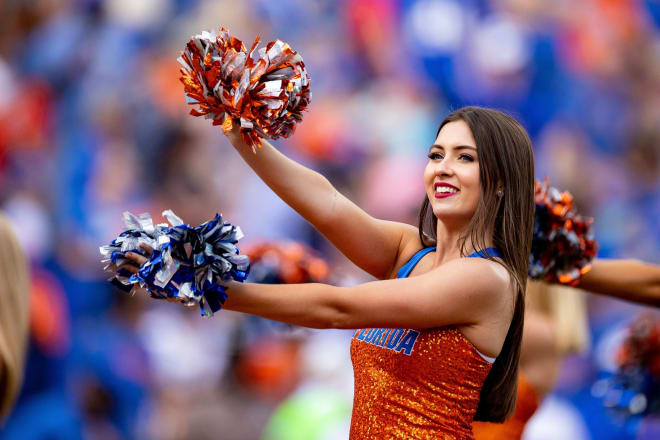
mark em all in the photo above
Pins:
pixel 449 215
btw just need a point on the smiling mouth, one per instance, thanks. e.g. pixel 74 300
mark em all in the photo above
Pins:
pixel 443 191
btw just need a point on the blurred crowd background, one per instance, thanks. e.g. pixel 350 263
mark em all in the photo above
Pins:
pixel 93 123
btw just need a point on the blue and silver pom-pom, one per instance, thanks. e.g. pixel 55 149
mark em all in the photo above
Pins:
pixel 187 263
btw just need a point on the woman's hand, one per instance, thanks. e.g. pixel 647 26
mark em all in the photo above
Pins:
pixel 234 135
pixel 136 260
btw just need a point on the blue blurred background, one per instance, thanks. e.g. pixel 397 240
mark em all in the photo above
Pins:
pixel 93 123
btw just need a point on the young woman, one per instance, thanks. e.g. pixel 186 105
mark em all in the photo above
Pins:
pixel 439 334
pixel 14 289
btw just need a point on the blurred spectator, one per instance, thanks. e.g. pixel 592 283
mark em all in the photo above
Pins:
pixel 14 289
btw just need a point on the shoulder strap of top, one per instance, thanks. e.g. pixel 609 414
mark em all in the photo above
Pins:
pixel 405 270
pixel 485 253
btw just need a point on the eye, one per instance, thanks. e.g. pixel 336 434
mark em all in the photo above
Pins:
pixel 435 156
pixel 466 157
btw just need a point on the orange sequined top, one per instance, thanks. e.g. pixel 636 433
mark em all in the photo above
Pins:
pixel 415 383
pixel 526 405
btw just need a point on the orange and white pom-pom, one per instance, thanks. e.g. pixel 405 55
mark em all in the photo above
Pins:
pixel 563 243
pixel 264 90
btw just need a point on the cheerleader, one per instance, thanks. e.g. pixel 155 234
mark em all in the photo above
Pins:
pixel 438 336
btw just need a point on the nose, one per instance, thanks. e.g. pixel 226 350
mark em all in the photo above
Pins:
pixel 443 168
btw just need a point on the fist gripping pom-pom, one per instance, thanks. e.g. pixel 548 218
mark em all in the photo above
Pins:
pixel 187 264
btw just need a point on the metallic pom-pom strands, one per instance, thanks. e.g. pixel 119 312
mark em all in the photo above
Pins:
pixel 265 90
pixel 187 263
pixel 563 243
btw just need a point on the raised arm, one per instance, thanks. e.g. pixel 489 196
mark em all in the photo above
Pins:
pixel 631 280
pixel 333 215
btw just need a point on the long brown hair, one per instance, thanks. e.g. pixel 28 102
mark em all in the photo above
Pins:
pixel 14 286
pixel 507 164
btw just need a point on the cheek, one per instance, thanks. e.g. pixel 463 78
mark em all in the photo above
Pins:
pixel 474 178
pixel 474 182
pixel 428 175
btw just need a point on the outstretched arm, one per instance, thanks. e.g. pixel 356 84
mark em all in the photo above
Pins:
pixel 631 280
pixel 438 298
pixel 332 214
pixel 462 292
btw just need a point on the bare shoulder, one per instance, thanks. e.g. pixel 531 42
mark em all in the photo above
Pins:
pixel 486 282
pixel 408 246
pixel 480 271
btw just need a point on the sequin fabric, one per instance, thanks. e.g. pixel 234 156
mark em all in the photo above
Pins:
pixel 408 386
pixel 526 405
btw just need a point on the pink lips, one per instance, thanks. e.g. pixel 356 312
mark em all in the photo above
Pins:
pixel 444 195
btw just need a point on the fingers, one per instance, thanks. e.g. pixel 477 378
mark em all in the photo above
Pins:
pixel 145 247
pixel 136 258
pixel 131 266
pixel 128 267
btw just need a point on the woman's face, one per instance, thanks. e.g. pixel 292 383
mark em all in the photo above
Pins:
pixel 451 176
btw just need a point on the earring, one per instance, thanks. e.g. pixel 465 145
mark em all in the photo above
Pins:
pixel 500 193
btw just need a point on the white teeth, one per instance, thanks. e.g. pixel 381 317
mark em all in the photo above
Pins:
pixel 445 190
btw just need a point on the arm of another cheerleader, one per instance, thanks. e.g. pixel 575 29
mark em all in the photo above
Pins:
pixel 630 280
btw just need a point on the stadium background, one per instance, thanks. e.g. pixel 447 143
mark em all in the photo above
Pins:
pixel 93 123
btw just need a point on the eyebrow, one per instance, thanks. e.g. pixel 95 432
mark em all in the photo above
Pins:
pixel 458 147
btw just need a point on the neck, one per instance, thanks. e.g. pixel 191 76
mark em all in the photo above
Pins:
pixel 448 246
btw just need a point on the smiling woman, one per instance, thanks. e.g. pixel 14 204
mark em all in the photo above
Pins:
pixel 505 170
pixel 438 335
pixel 453 166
